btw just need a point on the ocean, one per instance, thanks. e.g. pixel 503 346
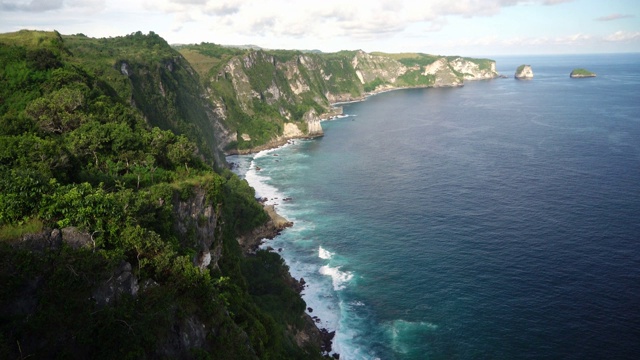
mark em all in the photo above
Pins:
pixel 499 220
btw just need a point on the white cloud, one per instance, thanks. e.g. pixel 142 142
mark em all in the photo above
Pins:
pixel 38 6
pixel 30 5
pixel 623 36
pixel 360 19
pixel 614 17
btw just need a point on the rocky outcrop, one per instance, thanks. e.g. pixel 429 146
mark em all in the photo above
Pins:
pixel 185 336
pixel 121 282
pixel 581 73
pixel 49 239
pixel 278 220
pixel 314 129
pixel 524 72
pixel 471 70
pixel 252 240
pixel 195 224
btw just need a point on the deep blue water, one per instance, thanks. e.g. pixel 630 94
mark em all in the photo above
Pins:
pixel 497 220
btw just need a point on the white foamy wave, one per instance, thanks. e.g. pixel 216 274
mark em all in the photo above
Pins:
pixel 259 183
pixel 268 151
pixel 324 254
pixel 340 278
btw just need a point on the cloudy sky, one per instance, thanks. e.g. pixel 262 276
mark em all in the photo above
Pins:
pixel 460 27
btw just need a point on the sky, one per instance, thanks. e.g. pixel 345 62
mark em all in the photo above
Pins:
pixel 444 27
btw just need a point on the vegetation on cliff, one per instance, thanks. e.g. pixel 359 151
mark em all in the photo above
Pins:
pixel 118 218
pixel 258 91
pixel 581 73
pixel 102 142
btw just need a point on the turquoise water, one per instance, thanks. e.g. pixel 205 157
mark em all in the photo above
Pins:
pixel 496 220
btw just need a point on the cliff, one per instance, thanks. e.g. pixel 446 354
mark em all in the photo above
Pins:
pixel 119 223
pixel 266 97
pixel 524 72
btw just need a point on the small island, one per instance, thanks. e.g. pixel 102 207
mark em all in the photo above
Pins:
pixel 524 72
pixel 581 73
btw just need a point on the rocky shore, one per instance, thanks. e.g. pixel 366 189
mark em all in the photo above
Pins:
pixel 250 242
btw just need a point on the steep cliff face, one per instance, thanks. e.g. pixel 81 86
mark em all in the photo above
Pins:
pixel 159 82
pixel 370 67
pixel 195 223
pixel 257 93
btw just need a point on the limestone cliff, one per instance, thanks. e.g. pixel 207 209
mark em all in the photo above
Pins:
pixel 262 98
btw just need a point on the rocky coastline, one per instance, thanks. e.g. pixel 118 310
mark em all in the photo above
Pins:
pixel 250 242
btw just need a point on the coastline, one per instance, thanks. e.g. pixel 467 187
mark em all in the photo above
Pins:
pixel 284 140
pixel 314 331
pixel 277 223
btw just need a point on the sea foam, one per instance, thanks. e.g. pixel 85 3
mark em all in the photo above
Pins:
pixel 339 278
pixel 324 254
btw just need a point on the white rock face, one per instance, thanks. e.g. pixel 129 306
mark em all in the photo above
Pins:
pixel 525 73
pixel 434 67
pixel 471 70
pixel 313 123
pixel 315 129
pixel 291 131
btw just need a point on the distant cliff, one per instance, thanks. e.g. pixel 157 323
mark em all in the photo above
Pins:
pixel 264 97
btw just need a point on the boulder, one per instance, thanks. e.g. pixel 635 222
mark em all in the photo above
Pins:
pixel 76 238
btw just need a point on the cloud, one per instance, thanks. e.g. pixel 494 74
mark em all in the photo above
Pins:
pixel 623 36
pixel 30 6
pixel 360 19
pixel 555 2
pixel 614 17
pixel 37 6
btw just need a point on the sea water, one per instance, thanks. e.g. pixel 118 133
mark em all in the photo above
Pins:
pixel 496 220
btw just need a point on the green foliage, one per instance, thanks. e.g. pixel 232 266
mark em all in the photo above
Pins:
pixel 241 211
pixel 582 72
pixel 483 64
pixel 371 86
pixel 21 190
pixel 75 153
pixel 416 78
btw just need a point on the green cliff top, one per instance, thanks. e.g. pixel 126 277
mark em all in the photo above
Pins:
pixel 582 73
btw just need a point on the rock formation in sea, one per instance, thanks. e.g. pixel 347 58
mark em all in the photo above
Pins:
pixel 581 73
pixel 524 72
